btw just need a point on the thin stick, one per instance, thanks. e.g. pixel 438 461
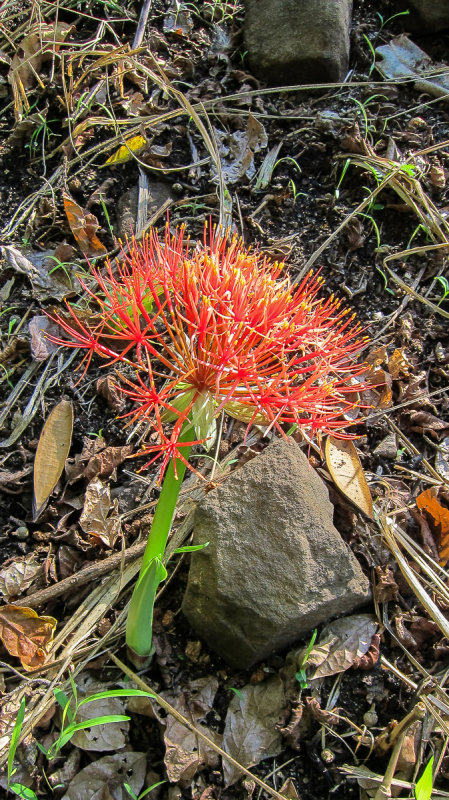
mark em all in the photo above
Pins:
pixel 86 575
pixel 143 19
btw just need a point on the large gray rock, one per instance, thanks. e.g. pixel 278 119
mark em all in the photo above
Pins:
pixel 427 16
pixel 275 566
pixel 298 41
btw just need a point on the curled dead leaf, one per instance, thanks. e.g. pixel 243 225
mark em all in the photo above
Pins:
pixel 428 502
pixel 94 519
pixel 26 635
pixel 41 44
pixel 18 576
pixel 84 226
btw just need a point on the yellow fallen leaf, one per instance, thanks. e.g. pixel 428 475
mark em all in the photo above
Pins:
pixel 51 453
pixel 26 635
pixel 347 473
pixel 133 146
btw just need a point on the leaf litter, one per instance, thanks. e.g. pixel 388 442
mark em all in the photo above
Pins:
pixel 410 365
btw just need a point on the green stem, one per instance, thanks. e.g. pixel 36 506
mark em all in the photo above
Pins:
pixel 139 626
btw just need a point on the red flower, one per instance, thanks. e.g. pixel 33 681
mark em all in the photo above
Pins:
pixel 219 328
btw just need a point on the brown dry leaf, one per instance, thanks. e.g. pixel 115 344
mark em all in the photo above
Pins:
pixel 185 753
pixel 37 266
pixel 74 468
pixel 322 716
pixel 398 364
pixel 250 733
pixel 14 478
pixel 341 644
pixel 347 473
pixel 423 422
pixel 428 501
pixel 26 635
pixel 386 588
pixel 51 453
pixel 105 464
pixel 288 790
pixel 355 234
pixel 237 149
pixel 17 577
pixel 41 346
pixel 84 226
pixel 107 388
pixel 105 778
pixel 94 519
pixel 40 45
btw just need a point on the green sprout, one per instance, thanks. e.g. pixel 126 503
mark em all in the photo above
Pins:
pixel 423 787
pixel 300 675
pixel 445 286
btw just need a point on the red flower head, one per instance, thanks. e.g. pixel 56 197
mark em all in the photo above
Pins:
pixel 218 327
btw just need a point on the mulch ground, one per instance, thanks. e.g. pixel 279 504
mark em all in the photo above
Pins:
pixel 329 151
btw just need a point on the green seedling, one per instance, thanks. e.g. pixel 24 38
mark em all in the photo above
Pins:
pixel 424 786
pixel 372 53
pixel 143 794
pixel 69 726
pixel 343 173
pixel 194 207
pixel 385 280
pixel 288 158
pixel 384 22
pixel 96 435
pixel 373 205
pixel 11 325
pixel 295 193
pixel 374 226
pixel 445 286
pixel 106 213
pixel 7 376
pixel 17 788
pixel 64 266
pixel 237 692
pixel 190 548
pixel 300 675
pixel 415 233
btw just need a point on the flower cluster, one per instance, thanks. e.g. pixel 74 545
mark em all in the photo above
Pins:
pixel 218 327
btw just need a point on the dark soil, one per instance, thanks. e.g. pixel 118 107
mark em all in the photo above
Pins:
pixel 305 201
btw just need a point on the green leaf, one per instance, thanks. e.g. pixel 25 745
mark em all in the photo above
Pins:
pixel 140 614
pixel 423 787
pixel 88 723
pixel 115 693
pixel 61 698
pixel 15 737
pixel 190 548
pixel 22 791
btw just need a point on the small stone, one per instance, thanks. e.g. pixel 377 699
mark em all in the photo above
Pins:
pixel 388 447
pixel 21 532
pixel 290 42
pixel 275 567
pixel 428 16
